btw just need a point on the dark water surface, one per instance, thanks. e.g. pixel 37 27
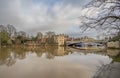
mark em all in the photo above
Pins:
pixel 50 62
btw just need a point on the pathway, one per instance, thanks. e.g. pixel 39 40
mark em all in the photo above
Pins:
pixel 109 71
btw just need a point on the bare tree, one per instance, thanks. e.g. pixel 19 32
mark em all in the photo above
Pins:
pixel 39 35
pixel 106 18
pixel 2 28
pixel 22 33
pixel 11 29
pixel 50 34
pixel 50 37
pixel 20 37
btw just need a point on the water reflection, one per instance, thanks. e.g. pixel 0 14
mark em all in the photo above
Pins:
pixel 113 52
pixel 9 56
pixel 50 62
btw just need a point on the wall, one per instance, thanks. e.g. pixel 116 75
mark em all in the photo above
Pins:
pixel 113 44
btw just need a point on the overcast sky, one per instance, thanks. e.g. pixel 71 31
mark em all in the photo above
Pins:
pixel 32 16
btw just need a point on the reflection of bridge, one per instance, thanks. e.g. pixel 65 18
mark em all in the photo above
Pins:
pixel 74 42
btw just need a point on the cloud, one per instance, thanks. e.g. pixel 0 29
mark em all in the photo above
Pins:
pixel 34 16
pixel 64 2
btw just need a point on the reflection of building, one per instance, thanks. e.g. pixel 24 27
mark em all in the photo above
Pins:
pixel 56 50
pixel 113 53
pixel 60 51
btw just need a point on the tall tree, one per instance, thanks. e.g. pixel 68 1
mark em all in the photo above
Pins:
pixel 11 29
pixel 39 35
pixel 4 37
pixel 50 34
pixel 105 15
pixel 3 28
pixel 50 37
pixel 22 33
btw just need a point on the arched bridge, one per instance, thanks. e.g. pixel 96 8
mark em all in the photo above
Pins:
pixel 76 42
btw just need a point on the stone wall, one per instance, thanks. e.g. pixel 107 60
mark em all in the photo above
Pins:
pixel 113 44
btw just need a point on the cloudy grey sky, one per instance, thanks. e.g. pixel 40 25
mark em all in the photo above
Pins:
pixel 32 16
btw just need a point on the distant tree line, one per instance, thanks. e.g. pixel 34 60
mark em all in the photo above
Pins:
pixel 10 36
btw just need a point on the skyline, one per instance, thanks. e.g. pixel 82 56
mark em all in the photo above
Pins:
pixel 32 16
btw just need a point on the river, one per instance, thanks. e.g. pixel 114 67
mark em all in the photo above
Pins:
pixel 51 62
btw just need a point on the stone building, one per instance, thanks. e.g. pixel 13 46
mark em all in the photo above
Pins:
pixel 53 40
pixel 59 39
pixel 113 44
pixel 49 39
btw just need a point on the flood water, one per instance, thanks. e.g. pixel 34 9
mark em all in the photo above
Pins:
pixel 50 62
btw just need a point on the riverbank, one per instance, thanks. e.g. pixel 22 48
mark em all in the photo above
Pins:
pixel 109 71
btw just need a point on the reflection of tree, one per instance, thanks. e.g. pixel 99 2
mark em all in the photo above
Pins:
pixel 39 51
pixel 49 55
pixel 11 60
pixel 50 51
pixel 9 56
pixel 19 53
pixel 4 54
pixel 117 57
